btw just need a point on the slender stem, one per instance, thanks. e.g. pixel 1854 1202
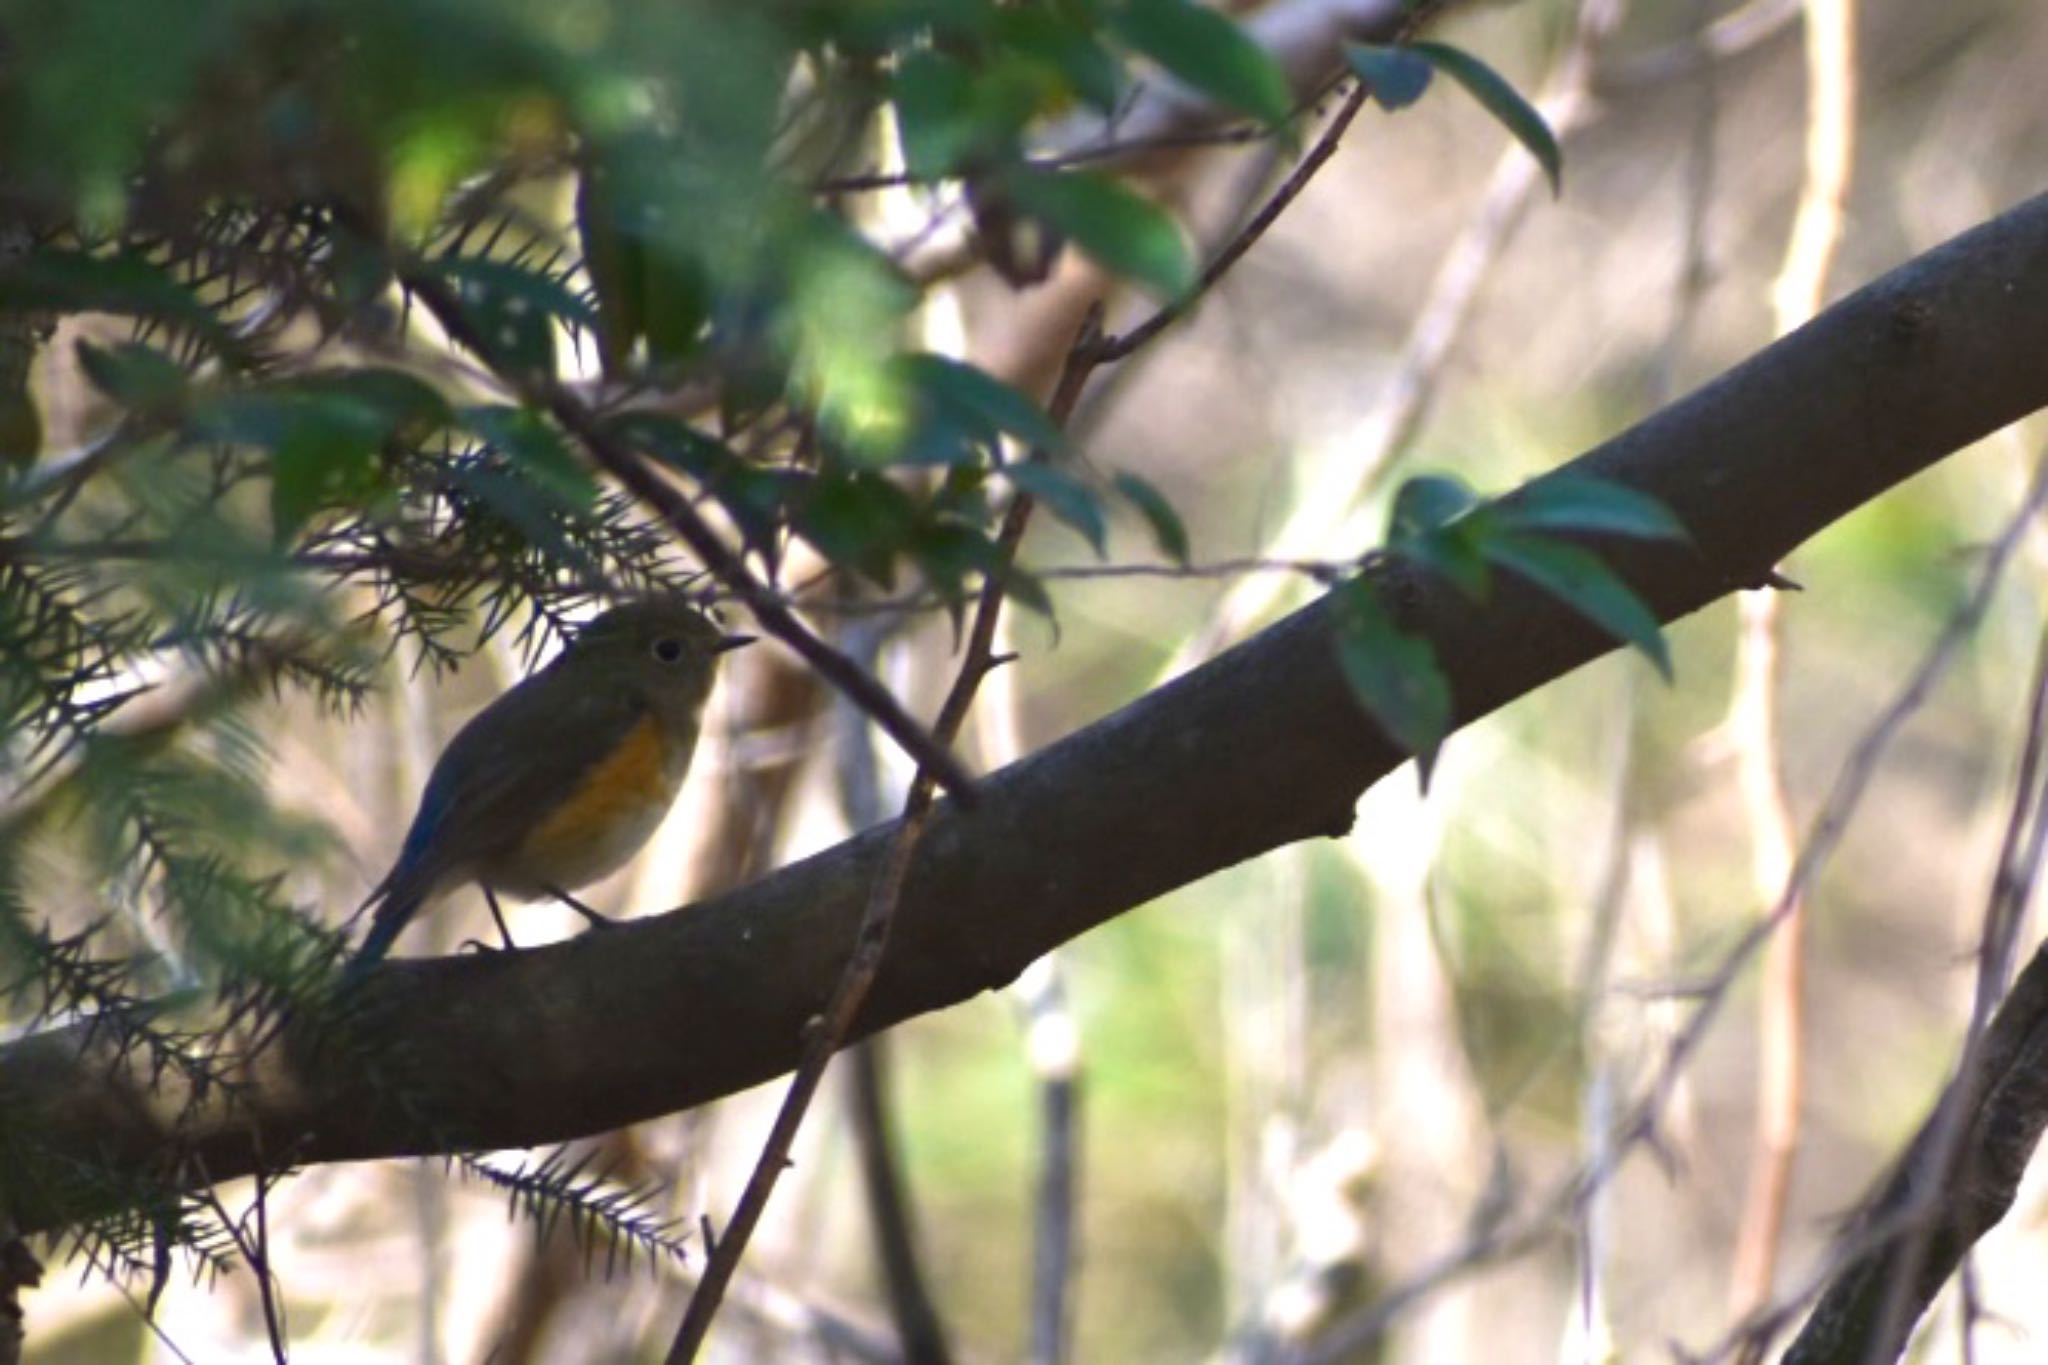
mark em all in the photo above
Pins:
pixel 1112 349
pixel 918 1328
pixel 920 1333
pixel 828 1030
pixel 1795 297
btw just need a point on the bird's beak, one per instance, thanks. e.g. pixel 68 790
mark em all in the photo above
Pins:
pixel 726 642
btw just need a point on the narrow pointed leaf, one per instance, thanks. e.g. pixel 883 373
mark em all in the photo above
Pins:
pixel 1580 502
pixel 1167 528
pixel 1065 496
pixel 1204 48
pixel 1424 503
pixel 1501 100
pixel 1393 674
pixel 138 377
pixel 614 263
pixel 533 445
pixel 964 390
pixel 1125 232
pixel 1577 577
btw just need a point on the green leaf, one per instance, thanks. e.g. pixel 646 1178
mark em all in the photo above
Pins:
pixel 79 282
pixel 675 443
pixel 757 501
pixel 677 303
pixel 1582 502
pixel 1056 41
pixel 533 446
pixel 937 121
pixel 316 464
pixel 1577 577
pixel 615 263
pixel 369 405
pixel 858 520
pixel 964 394
pixel 1205 49
pixel 322 454
pixel 1501 100
pixel 947 551
pixel 1424 503
pixel 139 378
pixel 1167 529
pixel 1130 235
pixel 404 403
pixel 1393 674
pixel 1065 496
pixel 1027 590
pixel 1456 553
pixel 1395 76
pixel 322 432
pixel 514 310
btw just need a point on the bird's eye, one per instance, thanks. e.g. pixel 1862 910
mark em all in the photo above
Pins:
pixel 668 649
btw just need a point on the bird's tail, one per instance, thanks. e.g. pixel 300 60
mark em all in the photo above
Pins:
pixel 394 911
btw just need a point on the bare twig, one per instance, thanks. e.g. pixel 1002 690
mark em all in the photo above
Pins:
pixel 918 1325
pixel 1955 1181
pixel 829 1029
pixel 255 1249
pixel 1939 1158
pixel 1739 31
pixel 1112 349
pixel 1753 715
pixel 1052 1047
pixel 1052 1051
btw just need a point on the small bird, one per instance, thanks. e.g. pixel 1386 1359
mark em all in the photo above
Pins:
pixel 559 781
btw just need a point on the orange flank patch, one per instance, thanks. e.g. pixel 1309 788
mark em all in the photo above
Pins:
pixel 629 788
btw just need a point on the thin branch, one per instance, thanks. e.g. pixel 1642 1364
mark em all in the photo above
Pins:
pixel 255 1250
pixel 1940 1159
pixel 1109 350
pixel 1990 1119
pixel 859 783
pixel 918 1326
pixel 828 1031
pixel 1741 30
pixel 1753 717
pixel 1053 1049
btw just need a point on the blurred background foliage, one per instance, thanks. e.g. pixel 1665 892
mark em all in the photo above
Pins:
pixel 267 536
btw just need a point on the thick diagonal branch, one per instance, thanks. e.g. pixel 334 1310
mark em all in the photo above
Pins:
pixel 1258 748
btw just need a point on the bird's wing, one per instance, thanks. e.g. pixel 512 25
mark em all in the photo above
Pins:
pixel 508 768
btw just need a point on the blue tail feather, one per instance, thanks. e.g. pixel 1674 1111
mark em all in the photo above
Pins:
pixel 385 927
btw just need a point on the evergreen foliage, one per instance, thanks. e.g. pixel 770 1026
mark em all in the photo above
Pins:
pixel 352 286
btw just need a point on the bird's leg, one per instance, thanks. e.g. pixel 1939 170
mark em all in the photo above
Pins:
pixel 491 899
pixel 597 921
